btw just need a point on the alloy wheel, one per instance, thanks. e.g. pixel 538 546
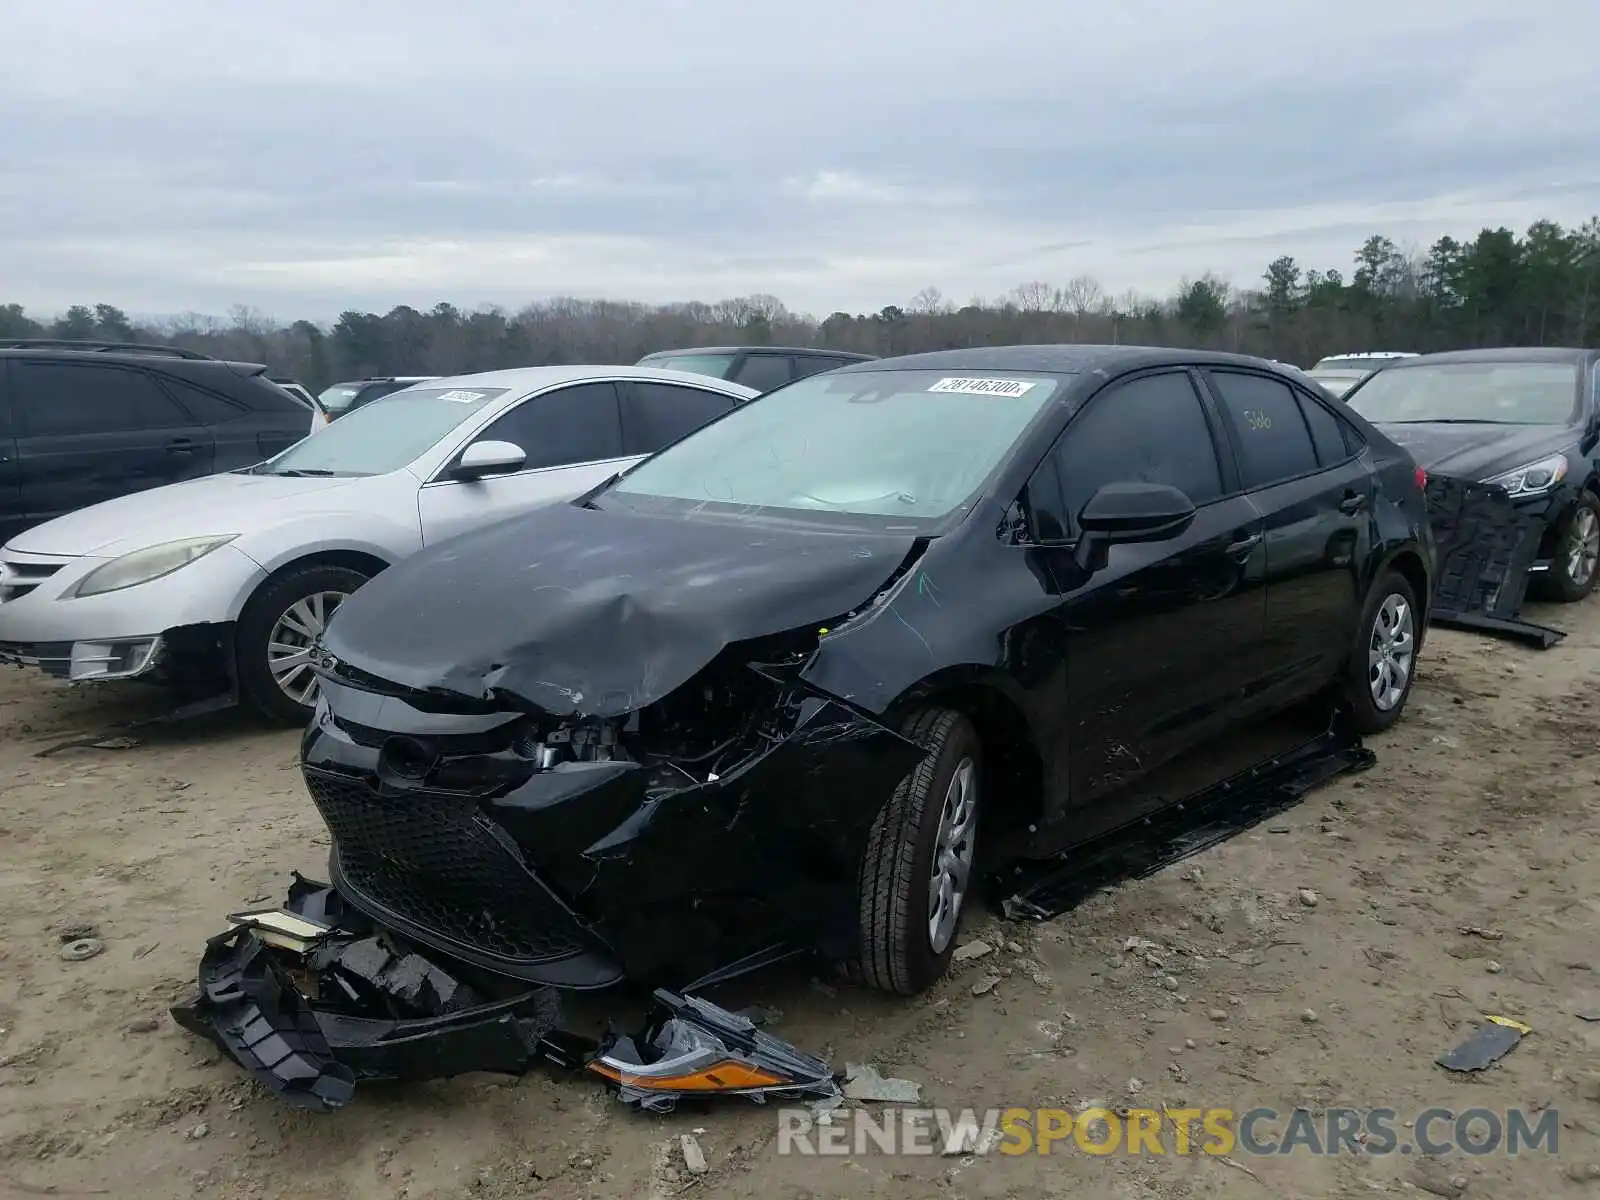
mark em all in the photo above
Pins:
pixel 291 640
pixel 1389 652
pixel 1583 546
pixel 952 855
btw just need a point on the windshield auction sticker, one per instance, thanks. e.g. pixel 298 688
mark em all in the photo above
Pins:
pixel 984 387
pixel 460 397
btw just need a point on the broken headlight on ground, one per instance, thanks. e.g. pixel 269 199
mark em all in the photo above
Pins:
pixel 693 1048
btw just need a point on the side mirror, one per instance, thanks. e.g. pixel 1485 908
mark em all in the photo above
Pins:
pixel 488 458
pixel 1130 512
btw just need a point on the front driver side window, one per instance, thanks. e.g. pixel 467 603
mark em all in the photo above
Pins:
pixel 1148 430
pixel 576 424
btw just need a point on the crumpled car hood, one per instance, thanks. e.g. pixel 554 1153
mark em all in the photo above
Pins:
pixel 597 613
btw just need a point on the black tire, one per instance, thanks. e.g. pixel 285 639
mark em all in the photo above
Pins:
pixel 258 690
pixel 896 952
pixel 1559 583
pixel 1365 712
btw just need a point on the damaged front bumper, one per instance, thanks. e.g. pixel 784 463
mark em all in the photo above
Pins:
pixel 313 999
pixel 452 830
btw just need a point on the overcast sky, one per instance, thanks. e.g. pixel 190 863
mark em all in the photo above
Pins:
pixel 304 158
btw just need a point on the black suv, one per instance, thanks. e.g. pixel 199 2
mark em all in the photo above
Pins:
pixel 760 367
pixel 84 421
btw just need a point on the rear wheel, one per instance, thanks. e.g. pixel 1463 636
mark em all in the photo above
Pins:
pixel 918 867
pixel 1384 662
pixel 1575 565
pixel 275 634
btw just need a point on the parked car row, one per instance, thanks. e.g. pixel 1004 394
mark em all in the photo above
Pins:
pixel 628 673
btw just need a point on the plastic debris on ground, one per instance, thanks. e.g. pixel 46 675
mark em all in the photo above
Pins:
pixel 1489 1043
pixel 313 999
pixel 1486 549
pixel 864 1082
pixel 692 1049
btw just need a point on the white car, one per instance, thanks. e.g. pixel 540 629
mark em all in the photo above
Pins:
pixel 232 577
pixel 1341 372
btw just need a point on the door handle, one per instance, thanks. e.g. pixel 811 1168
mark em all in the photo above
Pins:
pixel 1243 546
pixel 180 446
pixel 1352 503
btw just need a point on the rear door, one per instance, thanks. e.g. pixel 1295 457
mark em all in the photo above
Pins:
pixel 11 522
pixel 1316 498
pixel 243 434
pixel 573 439
pixel 89 432
pixel 657 414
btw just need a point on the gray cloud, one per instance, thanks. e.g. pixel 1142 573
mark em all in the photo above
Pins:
pixel 307 158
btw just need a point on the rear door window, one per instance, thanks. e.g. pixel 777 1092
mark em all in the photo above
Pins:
pixel 58 399
pixel 765 372
pixel 657 414
pixel 1327 432
pixel 208 408
pixel 1268 428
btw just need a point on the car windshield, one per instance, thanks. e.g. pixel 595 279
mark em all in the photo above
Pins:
pixel 383 436
pixel 339 397
pixel 715 365
pixel 1495 393
pixel 1338 382
pixel 910 447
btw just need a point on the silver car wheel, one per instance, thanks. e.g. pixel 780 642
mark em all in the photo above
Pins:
pixel 1389 652
pixel 290 642
pixel 952 855
pixel 1583 547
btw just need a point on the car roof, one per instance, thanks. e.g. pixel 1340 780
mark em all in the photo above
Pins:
pixel 88 350
pixel 820 351
pixel 1502 354
pixel 1059 359
pixel 521 380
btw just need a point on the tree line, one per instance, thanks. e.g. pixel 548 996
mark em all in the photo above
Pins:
pixel 1539 288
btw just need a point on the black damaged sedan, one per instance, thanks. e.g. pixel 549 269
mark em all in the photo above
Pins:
pixel 770 689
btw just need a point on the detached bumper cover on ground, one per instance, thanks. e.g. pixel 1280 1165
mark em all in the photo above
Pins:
pixel 310 1018
pixel 1486 548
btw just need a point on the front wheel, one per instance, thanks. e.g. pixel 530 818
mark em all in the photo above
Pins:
pixel 1383 665
pixel 918 867
pixel 275 634
pixel 1576 562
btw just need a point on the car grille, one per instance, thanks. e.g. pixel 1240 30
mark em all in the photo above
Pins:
pixel 18 578
pixel 435 862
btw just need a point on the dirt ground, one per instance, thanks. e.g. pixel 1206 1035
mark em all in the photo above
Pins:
pixel 1483 814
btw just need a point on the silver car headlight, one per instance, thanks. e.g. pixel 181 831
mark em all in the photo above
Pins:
pixel 141 566
pixel 1534 479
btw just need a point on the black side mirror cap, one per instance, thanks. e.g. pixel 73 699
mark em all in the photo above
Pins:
pixel 1136 512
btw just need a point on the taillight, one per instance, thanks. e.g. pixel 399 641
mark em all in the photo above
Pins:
pixel 1422 480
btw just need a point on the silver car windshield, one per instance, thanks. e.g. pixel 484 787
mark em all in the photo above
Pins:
pixel 386 435
pixel 1493 393
pixel 887 444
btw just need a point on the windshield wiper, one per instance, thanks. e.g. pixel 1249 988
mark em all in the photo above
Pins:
pixel 304 473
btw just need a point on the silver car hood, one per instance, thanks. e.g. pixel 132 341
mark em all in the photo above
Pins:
pixel 216 504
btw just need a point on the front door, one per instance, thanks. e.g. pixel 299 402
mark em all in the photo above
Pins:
pixel 573 439
pixel 1163 639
